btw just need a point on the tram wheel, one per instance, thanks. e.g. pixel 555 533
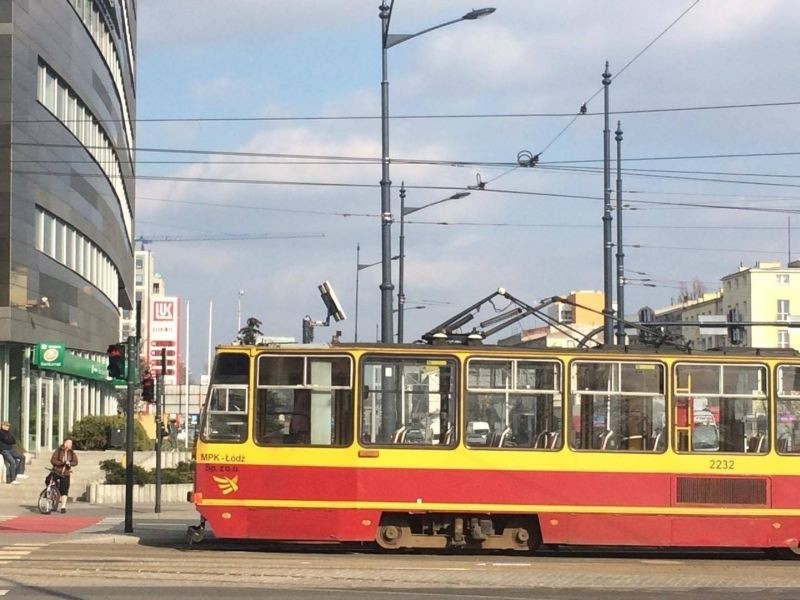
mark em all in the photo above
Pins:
pixel 194 535
pixel 393 533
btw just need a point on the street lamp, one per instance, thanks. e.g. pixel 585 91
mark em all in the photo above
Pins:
pixel 404 210
pixel 387 41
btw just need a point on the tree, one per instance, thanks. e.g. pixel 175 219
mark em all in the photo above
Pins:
pixel 248 335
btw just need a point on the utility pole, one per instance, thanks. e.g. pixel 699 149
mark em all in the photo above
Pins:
pixel 159 400
pixel 620 249
pixel 132 358
pixel 608 289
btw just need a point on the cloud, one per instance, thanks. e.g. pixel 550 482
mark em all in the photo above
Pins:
pixel 543 235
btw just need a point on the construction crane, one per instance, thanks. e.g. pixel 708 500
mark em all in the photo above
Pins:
pixel 142 240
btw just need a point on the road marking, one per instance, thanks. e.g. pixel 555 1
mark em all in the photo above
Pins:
pixel 4 592
pixel 32 546
pixel 12 553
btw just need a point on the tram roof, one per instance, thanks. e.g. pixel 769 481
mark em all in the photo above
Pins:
pixel 634 350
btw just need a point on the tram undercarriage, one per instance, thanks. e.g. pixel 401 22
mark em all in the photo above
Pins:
pixel 453 531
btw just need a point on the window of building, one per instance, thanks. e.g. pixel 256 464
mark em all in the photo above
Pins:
pixel 100 33
pixel 513 404
pixel 61 242
pixel 721 408
pixel 783 338
pixel 304 401
pixel 91 135
pixel 783 310
pixel 408 402
pixel 782 279
pixel 617 406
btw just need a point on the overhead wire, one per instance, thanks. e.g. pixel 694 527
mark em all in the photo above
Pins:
pixel 421 116
pixel 580 113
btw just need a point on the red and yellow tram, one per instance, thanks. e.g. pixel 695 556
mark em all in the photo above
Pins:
pixel 487 447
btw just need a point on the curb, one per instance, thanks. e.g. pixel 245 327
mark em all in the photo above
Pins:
pixel 102 539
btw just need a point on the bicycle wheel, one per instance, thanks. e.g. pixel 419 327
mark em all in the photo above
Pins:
pixel 46 504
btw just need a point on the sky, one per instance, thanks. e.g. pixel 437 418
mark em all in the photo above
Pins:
pixel 261 117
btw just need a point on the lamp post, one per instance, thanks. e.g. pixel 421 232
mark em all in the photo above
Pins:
pixel 387 41
pixel 239 311
pixel 404 210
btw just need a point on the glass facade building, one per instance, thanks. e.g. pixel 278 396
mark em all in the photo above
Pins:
pixel 67 137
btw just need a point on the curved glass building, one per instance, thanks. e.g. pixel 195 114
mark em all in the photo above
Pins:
pixel 67 138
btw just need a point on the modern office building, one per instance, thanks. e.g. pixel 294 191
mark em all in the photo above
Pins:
pixel 67 114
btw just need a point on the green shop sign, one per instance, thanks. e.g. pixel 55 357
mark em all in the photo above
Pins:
pixel 54 357
pixel 48 355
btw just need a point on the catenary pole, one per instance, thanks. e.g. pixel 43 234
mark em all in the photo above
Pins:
pixel 620 247
pixel 608 311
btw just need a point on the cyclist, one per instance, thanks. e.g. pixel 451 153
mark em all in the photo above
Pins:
pixel 63 460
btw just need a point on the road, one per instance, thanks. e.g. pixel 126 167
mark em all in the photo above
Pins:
pixel 98 561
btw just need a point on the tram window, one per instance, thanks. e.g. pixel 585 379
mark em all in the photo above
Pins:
pixel 280 370
pixel 513 404
pixel 408 401
pixel 787 417
pixel 231 368
pixel 304 401
pixel 617 406
pixel 225 418
pixel 721 408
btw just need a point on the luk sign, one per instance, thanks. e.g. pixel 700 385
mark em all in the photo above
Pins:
pixel 164 330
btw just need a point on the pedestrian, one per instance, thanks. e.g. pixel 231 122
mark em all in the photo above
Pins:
pixel 63 460
pixel 14 459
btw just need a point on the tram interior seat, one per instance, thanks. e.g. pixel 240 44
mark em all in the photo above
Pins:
pixel 505 438
pixel 607 441
pixel 547 440
pixel 542 440
pixel 408 434
pixel 399 436
pixel 757 443
pixel 448 435
pixel 785 445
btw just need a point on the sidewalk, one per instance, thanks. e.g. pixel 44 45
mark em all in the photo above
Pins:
pixel 22 498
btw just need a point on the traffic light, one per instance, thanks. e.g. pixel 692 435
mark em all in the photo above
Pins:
pixel 648 332
pixel 148 388
pixel 735 331
pixel 116 361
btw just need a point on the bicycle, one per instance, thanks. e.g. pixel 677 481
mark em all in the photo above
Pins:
pixel 48 499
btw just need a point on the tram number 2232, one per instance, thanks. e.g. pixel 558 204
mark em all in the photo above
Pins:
pixel 721 464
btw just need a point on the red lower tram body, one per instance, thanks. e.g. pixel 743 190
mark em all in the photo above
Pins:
pixel 516 510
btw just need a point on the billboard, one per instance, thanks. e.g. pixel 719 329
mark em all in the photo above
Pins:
pixel 164 334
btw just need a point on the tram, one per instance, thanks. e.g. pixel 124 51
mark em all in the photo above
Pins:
pixel 501 448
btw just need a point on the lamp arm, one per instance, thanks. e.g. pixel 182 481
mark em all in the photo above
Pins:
pixel 392 39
